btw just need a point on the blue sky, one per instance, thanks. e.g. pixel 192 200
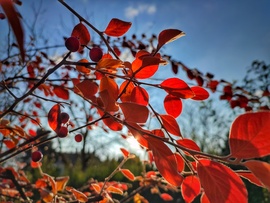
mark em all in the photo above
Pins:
pixel 222 37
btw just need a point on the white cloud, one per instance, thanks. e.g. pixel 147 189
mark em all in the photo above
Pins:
pixel 132 11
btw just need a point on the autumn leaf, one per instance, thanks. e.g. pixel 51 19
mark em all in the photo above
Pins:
pixel 134 112
pixel 81 197
pixel 168 35
pixel 111 123
pixel 220 183
pixel 82 33
pixel 110 85
pixel 126 87
pixel 61 92
pixel 173 105
pixel 51 181
pixel 140 96
pixel 180 162
pixel 53 117
pixel 9 143
pixel 83 69
pixel 96 187
pixel 190 188
pixel 124 152
pixel 166 197
pixel 112 189
pixel 249 136
pixel 145 67
pixel 200 93
pixel 108 101
pixel 170 124
pixel 61 182
pixel 87 88
pixel 109 63
pixel 15 23
pixel 250 177
pixel 177 87
pixel 139 134
pixel 261 170
pixel 117 28
pixel 188 143
pixel 127 173
pixel 165 161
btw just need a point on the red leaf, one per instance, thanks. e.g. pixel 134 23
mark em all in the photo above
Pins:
pixel 139 134
pixel 165 161
pixel 108 101
pixel 135 113
pixel 53 117
pixel 145 67
pixel 180 162
pixel 96 187
pixel 77 194
pixel 190 188
pixel 14 21
pixel 109 64
pixel 82 33
pixel 83 69
pixel 127 88
pixel 117 28
pixel 177 87
pixel 87 88
pixel 250 177
pixel 111 123
pixel 220 183
pixel 200 93
pixel 168 35
pixel 124 152
pixel 249 136
pixel 112 189
pixel 213 85
pixel 110 85
pixel 173 105
pixel 158 132
pixel 199 80
pixel 166 197
pixel 9 144
pixel 204 198
pixel 139 95
pixel 128 174
pixel 188 143
pixel 61 92
pixel 261 170
pixel 170 125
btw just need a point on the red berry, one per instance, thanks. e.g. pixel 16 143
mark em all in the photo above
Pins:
pixel 36 156
pixel 63 132
pixel 64 117
pixel 95 54
pixel 72 44
pixel 78 138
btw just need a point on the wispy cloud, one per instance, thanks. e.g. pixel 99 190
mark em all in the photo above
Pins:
pixel 133 11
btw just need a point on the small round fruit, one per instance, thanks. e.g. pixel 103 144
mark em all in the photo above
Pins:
pixel 95 54
pixel 72 44
pixel 64 117
pixel 78 138
pixel 36 156
pixel 63 132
